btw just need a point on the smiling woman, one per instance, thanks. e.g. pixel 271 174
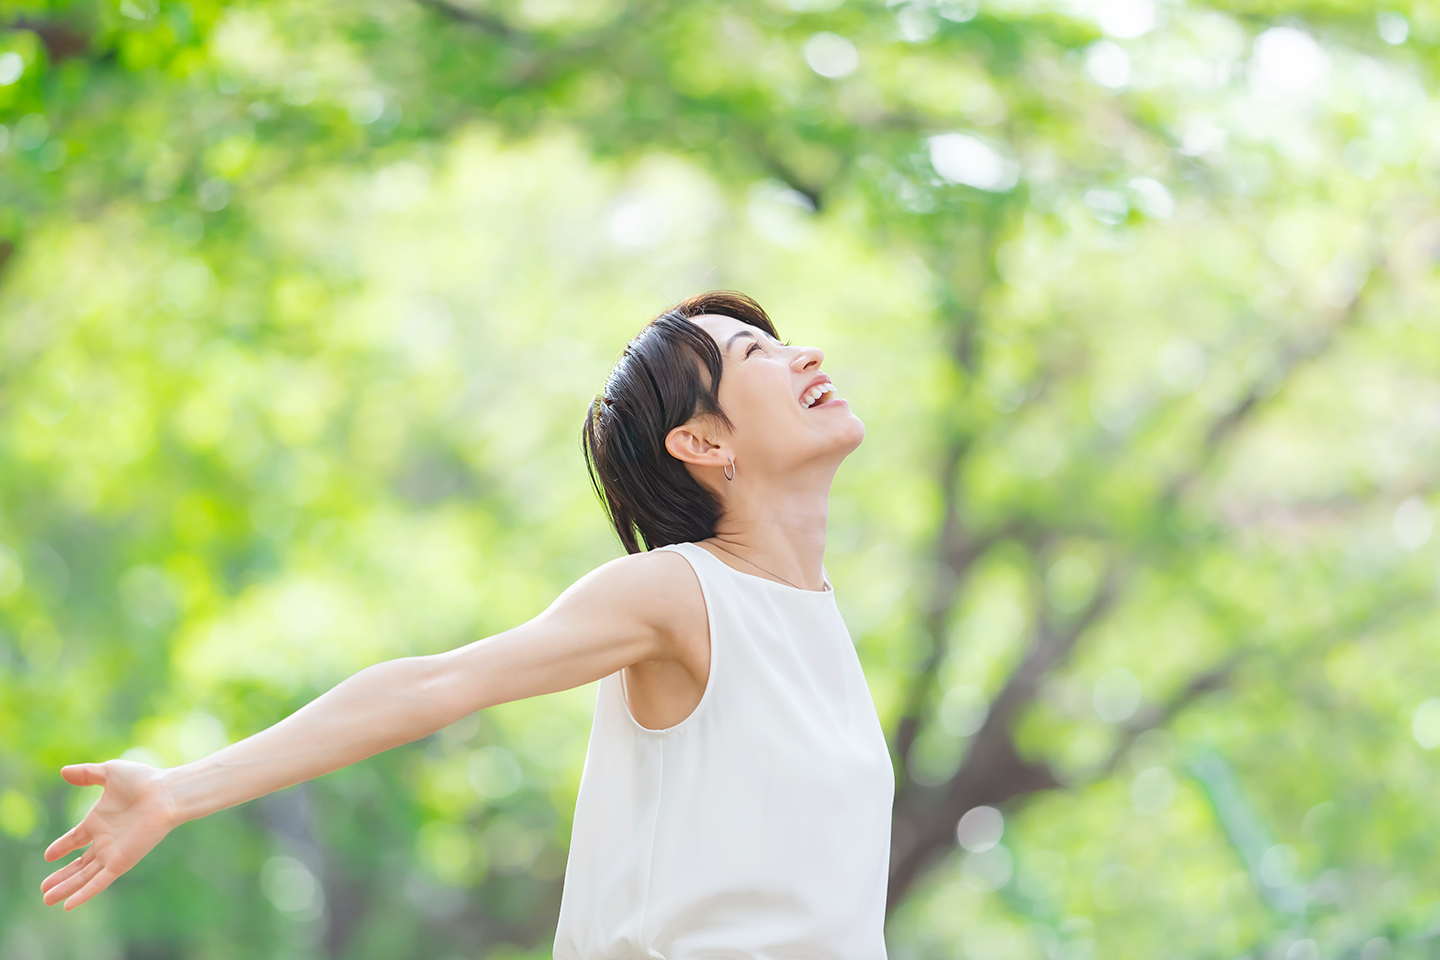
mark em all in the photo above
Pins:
pixel 737 788
pixel 669 374
pixel 666 375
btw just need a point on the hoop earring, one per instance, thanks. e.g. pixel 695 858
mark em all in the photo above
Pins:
pixel 730 469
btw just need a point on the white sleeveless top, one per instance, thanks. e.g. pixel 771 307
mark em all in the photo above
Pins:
pixel 757 828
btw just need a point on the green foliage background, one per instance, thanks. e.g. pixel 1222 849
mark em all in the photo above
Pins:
pixel 301 305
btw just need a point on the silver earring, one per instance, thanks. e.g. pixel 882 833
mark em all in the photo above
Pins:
pixel 730 469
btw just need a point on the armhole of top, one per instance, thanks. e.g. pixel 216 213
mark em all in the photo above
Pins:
pixel 709 675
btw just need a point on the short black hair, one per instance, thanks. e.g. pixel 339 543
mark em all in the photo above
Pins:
pixel 656 386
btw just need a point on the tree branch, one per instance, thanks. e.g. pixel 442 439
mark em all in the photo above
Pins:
pixel 993 772
pixel 62 41
pixel 485 22
pixel 957 551
pixel 1295 354
pixel 958 547
pixel 1205 682
pixel 781 170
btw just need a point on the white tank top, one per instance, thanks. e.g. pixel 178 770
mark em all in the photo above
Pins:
pixel 757 828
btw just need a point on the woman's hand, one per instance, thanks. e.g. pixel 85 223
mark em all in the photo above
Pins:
pixel 133 814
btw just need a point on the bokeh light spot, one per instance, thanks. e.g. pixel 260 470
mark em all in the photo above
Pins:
pixel 961 158
pixel 1125 19
pixel 12 574
pixel 366 107
pixel 213 195
pixel 1376 948
pixel 1181 365
pixel 1071 583
pixel 449 852
pixel 958 11
pixel 139 9
pixel 301 88
pixel 831 55
pixel 980 829
pixel 1152 197
pixel 1117 696
pixel 493 773
pixel 52 155
pixel 18 814
pixel 30 131
pixel 1107 63
pixel 1287 65
pixel 989 869
pixel 52 397
pixel 963 711
pixel 1277 866
pixel 1152 791
pixel 1413 524
pixel 291 888
pixel 12 68
pixel 917 22
pixel 199 736
pixel 1425 724
pixel 1393 28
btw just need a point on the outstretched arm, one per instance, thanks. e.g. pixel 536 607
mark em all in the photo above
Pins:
pixel 623 613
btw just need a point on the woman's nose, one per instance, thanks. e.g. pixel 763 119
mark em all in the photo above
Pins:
pixel 807 357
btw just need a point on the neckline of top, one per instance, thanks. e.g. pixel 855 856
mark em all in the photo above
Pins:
pixel 829 590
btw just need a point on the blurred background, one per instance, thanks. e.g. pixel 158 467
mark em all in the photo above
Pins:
pixel 302 303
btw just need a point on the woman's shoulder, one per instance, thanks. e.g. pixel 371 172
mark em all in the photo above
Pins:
pixel 660 564
pixel 658 586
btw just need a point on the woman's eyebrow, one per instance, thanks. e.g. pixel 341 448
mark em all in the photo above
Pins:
pixel 733 337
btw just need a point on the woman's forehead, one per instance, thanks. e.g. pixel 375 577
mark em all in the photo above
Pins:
pixel 715 324
pixel 723 328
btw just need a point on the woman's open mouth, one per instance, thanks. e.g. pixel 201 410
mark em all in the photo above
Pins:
pixel 821 393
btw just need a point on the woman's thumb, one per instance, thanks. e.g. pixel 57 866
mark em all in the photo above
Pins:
pixel 84 774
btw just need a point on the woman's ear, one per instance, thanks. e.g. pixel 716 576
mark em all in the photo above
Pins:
pixel 690 443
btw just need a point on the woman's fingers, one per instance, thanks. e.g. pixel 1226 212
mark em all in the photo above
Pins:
pixel 84 774
pixel 72 883
pixel 97 883
pixel 124 824
pixel 64 873
pixel 73 839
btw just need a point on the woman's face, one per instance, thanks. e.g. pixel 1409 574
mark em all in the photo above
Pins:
pixel 785 411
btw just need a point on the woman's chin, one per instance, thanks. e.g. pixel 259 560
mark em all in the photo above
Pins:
pixel 854 435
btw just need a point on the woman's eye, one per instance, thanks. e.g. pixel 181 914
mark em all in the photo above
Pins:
pixel 752 349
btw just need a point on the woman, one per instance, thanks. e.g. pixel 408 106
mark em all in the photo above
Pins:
pixel 736 795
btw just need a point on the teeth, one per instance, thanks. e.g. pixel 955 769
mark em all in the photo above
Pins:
pixel 816 392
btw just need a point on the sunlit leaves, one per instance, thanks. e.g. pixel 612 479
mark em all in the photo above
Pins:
pixel 307 299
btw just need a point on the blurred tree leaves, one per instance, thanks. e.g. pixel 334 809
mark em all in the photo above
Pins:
pixel 302 304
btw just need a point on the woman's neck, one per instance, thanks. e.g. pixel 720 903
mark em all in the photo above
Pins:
pixel 779 530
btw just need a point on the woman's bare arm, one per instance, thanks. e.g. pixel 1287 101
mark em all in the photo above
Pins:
pixel 633 609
